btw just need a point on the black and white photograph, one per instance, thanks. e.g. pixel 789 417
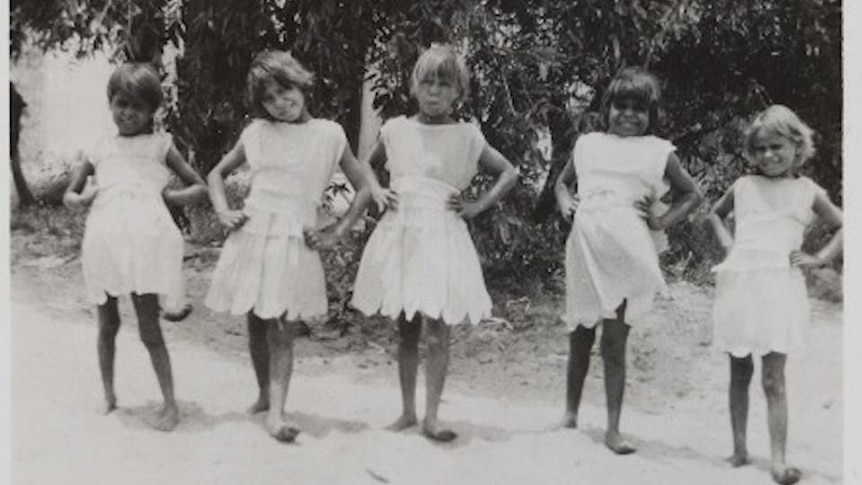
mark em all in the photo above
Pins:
pixel 430 242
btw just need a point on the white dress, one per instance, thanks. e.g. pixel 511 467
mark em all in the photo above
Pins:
pixel 265 266
pixel 611 255
pixel 131 244
pixel 420 257
pixel 761 302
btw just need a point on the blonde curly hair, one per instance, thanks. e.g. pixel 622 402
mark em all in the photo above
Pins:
pixel 782 121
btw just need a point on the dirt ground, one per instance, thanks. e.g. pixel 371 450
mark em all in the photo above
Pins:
pixel 504 396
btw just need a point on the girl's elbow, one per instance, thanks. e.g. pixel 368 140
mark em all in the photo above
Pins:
pixel 511 177
pixel 695 194
pixel 714 218
pixel 201 192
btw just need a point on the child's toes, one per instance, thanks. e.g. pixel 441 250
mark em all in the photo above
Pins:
pixel 787 476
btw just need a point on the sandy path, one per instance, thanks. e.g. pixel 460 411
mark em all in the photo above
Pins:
pixel 59 436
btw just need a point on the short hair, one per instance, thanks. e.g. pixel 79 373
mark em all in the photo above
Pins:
pixel 442 61
pixel 782 121
pixel 139 81
pixel 638 85
pixel 278 66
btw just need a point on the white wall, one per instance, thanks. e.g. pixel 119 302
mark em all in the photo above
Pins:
pixel 67 108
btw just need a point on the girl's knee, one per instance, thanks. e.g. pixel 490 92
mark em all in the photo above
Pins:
pixel 152 337
pixel 614 356
pixel 614 342
pixel 409 330
pixel 255 321
pixel 773 385
pixel 280 332
pixel 108 332
pixel 773 382
pixel 741 368
pixel 582 336
pixel 773 373
pixel 437 335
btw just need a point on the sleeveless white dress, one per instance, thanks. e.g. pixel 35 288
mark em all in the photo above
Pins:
pixel 761 301
pixel 420 257
pixel 611 254
pixel 265 266
pixel 131 244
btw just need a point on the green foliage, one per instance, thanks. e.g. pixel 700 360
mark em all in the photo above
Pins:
pixel 538 67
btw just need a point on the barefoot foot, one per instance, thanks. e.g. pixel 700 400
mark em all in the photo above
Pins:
pixel 179 314
pixel 738 459
pixel 261 405
pixel 110 405
pixel 618 445
pixel 441 435
pixel 285 434
pixel 570 420
pixel 403 422
pixel 281 431
pixel 786 476
pixel 168 418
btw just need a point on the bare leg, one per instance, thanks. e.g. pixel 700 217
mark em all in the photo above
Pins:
pixel 435 378
pixel 258 348
pixel 109 325
pixel 408 366
pixel 741 370
pixel 280 339
pixel 776 405
pixel 147 309
pixel 580 343
pixel 615 334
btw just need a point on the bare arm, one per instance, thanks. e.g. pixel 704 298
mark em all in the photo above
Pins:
pixel 383 197
pixel 495 163
pixel 716 219
pixel 359 179
pixel 828 211
pixel 680 182
pixel 362 178
pixel 81 191
pixel 196 188
pixel 234 159
pixel 567 203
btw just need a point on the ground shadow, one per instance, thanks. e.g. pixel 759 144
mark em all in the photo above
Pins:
pixel 661 452
pixel 318 426
pixel 193 419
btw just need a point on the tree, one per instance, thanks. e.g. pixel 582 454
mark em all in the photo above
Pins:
pixel 538 66
pixel 16 109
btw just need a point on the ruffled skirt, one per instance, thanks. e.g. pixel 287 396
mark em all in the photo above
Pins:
pixel 611 257
pixel 265 267
pixel 761 305
pixel 421 258
pixel 131 245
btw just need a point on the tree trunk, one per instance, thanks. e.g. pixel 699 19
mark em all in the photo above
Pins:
pixel 562 135
pixel 16 108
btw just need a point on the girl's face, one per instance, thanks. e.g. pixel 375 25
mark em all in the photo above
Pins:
pixel 627 117
pixel 131 115
pixel 436 95
pixel 773 155
pixel 283 104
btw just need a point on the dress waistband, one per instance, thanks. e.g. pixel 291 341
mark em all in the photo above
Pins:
pixel 126 191
pixel 424 192
pixel 603 199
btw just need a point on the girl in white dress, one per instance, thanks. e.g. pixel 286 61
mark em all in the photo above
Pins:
pixel 420 264
pixel 131 245
pixel 612 271
pixel 268 269
pixel 761 303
